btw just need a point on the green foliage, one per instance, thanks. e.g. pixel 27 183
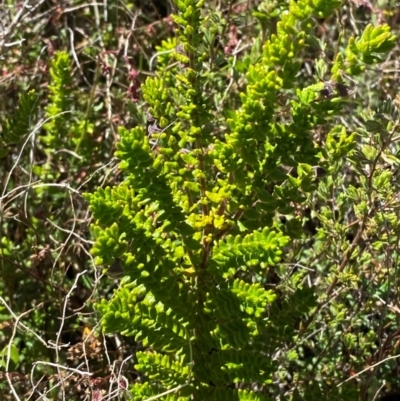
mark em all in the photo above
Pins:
pixel 59 109
pixel 62 95
pixel 195 222
pixel 374 40
pixel 16 128
pixel 364 211
pixel 255 216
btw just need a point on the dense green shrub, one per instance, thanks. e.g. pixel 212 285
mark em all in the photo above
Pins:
pixel 254 213
pixel 225 291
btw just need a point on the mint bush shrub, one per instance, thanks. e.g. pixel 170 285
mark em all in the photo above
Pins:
pixel 198 222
